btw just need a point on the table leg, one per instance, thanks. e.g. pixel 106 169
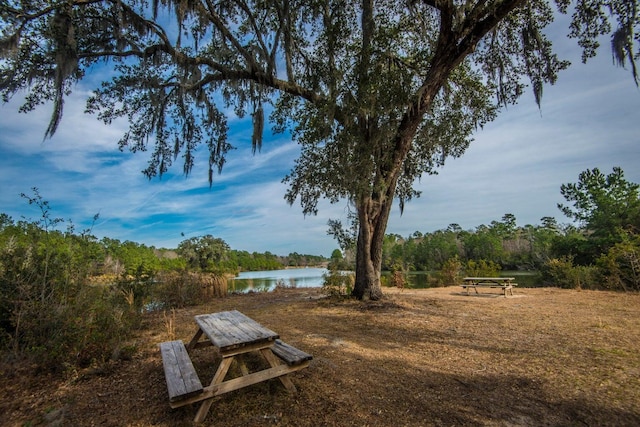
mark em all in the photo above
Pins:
pixel 218 378
pixel 194 340
pixel 274 361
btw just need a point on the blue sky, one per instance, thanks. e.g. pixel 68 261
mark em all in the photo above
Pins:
pixel 590 118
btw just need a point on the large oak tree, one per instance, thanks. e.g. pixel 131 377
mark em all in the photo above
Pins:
pixel 377 93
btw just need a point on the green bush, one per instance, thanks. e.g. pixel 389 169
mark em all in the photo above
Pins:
pixel 105 318
pixel 620 266
pixel 450 272
pixel 48 312
pixel 136 287
pixel 561 272
pixel 337 283
pixel 88 329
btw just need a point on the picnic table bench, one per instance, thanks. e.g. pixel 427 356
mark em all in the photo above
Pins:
pixel 504 283
pixel 234 335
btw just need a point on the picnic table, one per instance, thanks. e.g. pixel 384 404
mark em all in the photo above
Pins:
pixel 504 283
pixel 233 334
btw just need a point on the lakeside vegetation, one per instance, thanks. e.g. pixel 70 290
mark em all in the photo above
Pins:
pixel 68 299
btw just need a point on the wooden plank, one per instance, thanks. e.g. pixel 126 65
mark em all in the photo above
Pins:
pixel 492 285
pixel 289 354
pixel 231 351
pixel 240 382
pixel 221 372
pixel 232 329
pixel 182 379
pixel 273 362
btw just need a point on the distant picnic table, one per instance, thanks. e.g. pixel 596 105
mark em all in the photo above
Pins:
pixel 234 335
pixel 504 283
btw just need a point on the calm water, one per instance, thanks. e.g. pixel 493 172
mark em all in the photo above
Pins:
pixel 263 281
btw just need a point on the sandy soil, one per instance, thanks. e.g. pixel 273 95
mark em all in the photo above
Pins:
pixel 417 358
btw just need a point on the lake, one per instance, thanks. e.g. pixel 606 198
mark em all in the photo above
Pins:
pixel 264 281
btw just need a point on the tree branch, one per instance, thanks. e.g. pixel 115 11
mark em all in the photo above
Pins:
pixel 257 33
pixel 475 27
pixel 220 25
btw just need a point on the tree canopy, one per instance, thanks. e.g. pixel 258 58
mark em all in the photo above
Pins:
pixel 377 93
pixel 602 203
pixel 607 207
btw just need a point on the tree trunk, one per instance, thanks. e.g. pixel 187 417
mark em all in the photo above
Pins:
pixel 373 215
pixel 368 260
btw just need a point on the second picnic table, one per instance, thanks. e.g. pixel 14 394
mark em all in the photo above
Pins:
pixel 504 283
pixel 234 335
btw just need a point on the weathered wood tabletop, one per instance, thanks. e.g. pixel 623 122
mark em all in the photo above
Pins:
pixel 231 330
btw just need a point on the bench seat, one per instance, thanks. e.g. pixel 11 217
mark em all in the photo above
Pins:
pixel 182 379
pixel 289 354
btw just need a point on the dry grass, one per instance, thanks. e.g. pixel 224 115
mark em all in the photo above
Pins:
pixel 418 358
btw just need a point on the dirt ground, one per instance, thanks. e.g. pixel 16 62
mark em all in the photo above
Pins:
pixel 418 358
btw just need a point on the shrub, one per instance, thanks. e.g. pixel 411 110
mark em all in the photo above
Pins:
pixel 182 289
pixel 48 311
pixel 620 266
pixel 337 283
pixel 104 319
pixel 89 328
pixel 563 273
pixel 450 272
pixel 398 277
pixel 136 287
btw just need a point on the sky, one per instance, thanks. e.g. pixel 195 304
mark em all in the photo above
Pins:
pixel 516 165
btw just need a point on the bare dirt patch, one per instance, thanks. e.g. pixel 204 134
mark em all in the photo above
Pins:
pixel 417 358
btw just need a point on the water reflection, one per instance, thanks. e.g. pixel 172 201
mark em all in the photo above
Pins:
pixel 263 281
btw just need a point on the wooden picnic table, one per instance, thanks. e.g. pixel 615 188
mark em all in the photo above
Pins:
pixel 504 283
pixel 233 334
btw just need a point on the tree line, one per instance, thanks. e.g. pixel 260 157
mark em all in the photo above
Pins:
pixel 108 256
pixel 599 249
